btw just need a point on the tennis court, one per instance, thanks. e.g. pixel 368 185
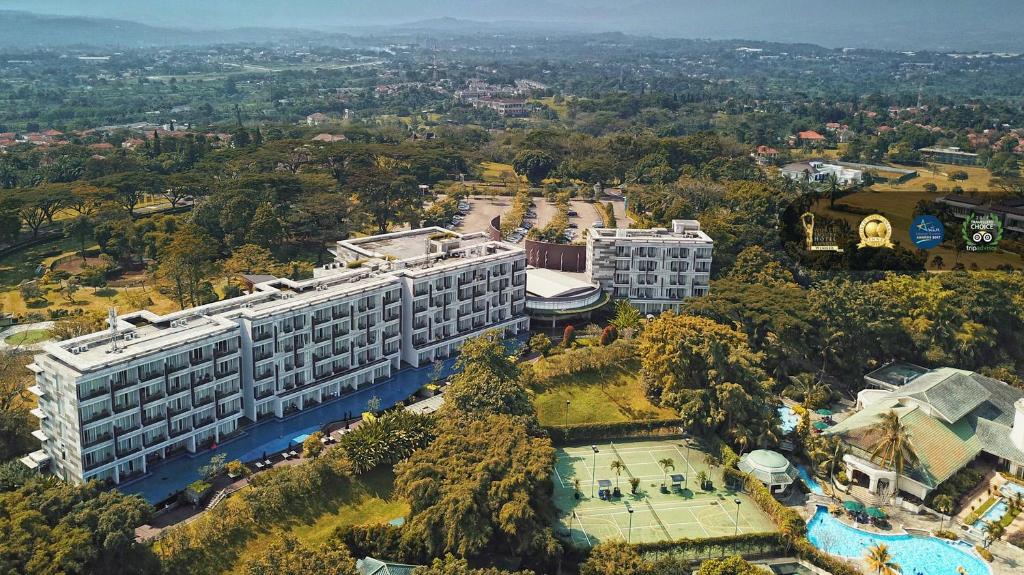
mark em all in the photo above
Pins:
pixel 687 511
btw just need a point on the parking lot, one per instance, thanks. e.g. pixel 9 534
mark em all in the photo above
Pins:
pixel 481 209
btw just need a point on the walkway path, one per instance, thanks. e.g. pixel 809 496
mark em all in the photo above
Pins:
pixel 20 328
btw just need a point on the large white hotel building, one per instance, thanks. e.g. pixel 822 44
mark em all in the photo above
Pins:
pixel 114 403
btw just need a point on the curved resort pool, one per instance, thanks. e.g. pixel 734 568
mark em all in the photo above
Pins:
pixel 789 419
pixel 916 555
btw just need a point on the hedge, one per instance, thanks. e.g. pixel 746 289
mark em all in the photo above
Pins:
pixel 696 549
pixel 585 432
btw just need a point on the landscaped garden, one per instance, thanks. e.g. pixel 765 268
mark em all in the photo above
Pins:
pixel 27 337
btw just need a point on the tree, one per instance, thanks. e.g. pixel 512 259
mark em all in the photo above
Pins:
pixel 311 446
pixel 707 371
pixel 250 259
pixel 755 265
pixel 540 343
pixel 487 381
pixel 892 449
pixel 534 164
pixel 186 263
pixel 322 218
pixel 31 292
pixel 384 189
pixel 68 289
pixel 451 565
pixel 482 484
pixel 53 527
pixel 879 560
pixel 290 557
pixel 214 467
pixel 617 467
pixel 15 424
pixel 627 318
pixel 81 229
pixel 994 531
pixel 666 464
pixel 130 188
pixel 943 504
pixel 266 228
pixel 614 558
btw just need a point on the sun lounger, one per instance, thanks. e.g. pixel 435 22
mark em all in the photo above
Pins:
pixel 259 465
pixel 293 453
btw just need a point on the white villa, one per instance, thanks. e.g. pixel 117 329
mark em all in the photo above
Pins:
pixel 952 416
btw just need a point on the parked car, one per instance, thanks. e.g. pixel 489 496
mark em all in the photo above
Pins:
pixel 573 225
pixel 571 213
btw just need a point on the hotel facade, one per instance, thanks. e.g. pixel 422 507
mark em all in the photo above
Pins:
pixel 116 403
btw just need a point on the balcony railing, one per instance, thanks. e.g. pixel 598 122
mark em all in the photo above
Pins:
pixel 196 360
pixel 122 407
pixel 119 385
pixel 182 431
pixel 176 411
pixel 264 393
pixel 226 372
pixel 205 421
pixel 98 439
pixel 128 451
pixel 97 416
pixel 154 440
pixel 262 336
pixel 99 462
pixel 218 353
pixel 148 396
pixel 93 394
pixel 201 401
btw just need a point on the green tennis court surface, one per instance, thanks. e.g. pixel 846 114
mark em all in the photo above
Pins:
pixel 686 512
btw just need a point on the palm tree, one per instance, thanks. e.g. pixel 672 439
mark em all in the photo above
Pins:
pixel 618 467
pixel 994 531
pixel 944 505
pixel 893 448
pixel 881 561
pixel 666 464
pixel 833 189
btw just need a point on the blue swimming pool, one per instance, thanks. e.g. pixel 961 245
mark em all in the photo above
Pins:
pixel 789 419
pixel 915 555
pixel 277 435
pixel 994 513
pixel 812 485
pixel 1011 489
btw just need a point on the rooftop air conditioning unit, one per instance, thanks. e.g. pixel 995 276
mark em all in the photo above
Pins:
pixel 79 349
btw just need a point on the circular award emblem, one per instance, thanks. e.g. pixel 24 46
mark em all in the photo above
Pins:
pixel 875 232
pixel 927 232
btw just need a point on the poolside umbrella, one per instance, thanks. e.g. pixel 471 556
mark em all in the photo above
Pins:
pixel 820 425
pixel 875 513
pixel 824 412
pixel 854 506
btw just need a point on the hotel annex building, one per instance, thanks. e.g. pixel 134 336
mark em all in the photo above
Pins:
pixel 114 403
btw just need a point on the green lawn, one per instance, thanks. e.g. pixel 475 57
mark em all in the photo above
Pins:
pixel 369 500
pixel 607 396
pixel 27 337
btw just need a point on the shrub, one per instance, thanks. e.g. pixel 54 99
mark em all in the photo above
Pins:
pixel 947 534
pixel 609 335
pixel 568 335
pixel 311 446
pixel 584 360
pixel 985 553
pixel 586 432
pixel 236 468
pixel 540 343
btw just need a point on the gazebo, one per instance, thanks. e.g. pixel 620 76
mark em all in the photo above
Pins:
pixel 770 468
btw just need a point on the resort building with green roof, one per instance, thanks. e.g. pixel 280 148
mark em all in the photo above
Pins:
pixel 951 416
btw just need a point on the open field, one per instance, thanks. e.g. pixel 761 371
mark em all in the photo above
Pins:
pixel 498 173
pixel 368 500
pixel 28 337
pixel 689 512
pixel 978 179
pixel 609 395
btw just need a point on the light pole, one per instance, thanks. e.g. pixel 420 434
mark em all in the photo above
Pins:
pixel 737 502
pixel 629 534
pixel 567 414
pixel 593 471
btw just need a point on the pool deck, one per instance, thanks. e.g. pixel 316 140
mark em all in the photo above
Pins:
pixel 1009 559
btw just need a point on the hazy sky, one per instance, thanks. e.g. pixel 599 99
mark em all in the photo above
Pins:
pixel 885 23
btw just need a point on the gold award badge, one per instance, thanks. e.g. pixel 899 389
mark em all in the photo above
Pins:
pixel 875 232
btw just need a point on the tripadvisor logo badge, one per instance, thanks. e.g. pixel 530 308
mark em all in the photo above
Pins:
pixel 982 232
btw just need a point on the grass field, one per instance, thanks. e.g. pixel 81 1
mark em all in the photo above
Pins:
pixel 978 179
pixel 27 337
pixel 496 172
pixel 607 396
pixel 689 512
pixel 369 500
